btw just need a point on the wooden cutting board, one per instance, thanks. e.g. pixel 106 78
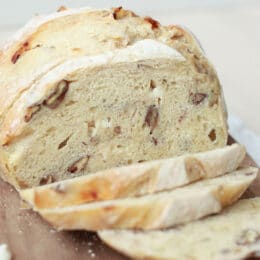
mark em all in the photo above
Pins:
pixel 30 238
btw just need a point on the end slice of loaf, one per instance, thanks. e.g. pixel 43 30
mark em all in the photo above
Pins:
pixel 136 180
pixel 159 210
pixel 234 234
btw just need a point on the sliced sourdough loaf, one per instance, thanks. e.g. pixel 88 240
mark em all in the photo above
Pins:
pixel 159 210
pixel 138 179
pixel 61 113
pixel 234 234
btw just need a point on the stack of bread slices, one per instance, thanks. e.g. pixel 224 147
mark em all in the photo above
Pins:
pixel 111 121
pixel 157 195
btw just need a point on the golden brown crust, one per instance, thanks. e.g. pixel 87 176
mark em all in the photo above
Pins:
pixel 159 210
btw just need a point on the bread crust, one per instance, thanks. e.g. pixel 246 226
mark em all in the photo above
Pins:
pixel 159 210
pixel 136 180
pixel 233 234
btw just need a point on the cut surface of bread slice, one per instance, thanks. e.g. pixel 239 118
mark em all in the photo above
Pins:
pixel 97 112
pixel 56 116
pixel 46 41
pixel 234 234
pixel 159 210
pixel 136 180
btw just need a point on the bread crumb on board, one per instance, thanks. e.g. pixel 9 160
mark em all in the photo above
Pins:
pixel 5 252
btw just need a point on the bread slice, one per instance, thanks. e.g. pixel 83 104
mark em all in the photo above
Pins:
pixel 58 110
pixel 234 234
pixel 159 210
pixel 138 179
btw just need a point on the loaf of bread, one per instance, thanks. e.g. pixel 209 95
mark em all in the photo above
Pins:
pixel 234 234
pixel 158 210
pixel 137 179
pixel 86 90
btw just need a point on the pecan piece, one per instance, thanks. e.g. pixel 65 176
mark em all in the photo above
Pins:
pixel 58 95
pixel 64 143
pixel 47 179
pixel 155 24
pixel 91 123
pixel 117 129
pixel 197 98
pixel 119 13
pixel 62 8
pixel 152 117
pixel 212 135
pixel 155 141
pixel 141 161
pixel 79 165
pixel 25 47
pixel 31 111
pixel 152 84
pixel 22 184
pixel 177 35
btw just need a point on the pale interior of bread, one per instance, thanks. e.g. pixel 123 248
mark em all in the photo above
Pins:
pixel 42 48
pixel 104 120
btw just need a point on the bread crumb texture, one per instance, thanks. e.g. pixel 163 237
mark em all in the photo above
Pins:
pixel 73 105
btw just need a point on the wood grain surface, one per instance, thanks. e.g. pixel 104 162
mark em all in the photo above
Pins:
pixel 30 238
